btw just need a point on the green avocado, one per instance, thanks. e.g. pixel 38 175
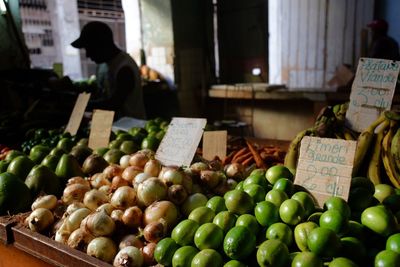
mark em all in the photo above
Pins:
pixel 58 152
pixel 113 155
pixel 14 194
pixel 51 161
pixel 13 154
pixel 20 166
pixel 101 151
pixel 68 167
pixel 65 143
pixel 81 152
pixel 38 153
pixel 42 179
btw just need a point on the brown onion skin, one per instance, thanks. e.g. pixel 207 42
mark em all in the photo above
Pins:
pixel 130 173
pixel 117 182
pixel 161 210
pixel 132 217
pixel 177 194
pixel 138 160
pixel 112 170
pixel 78 180
pixel 131 240
pixel 155 231
pixel 152 167
pixel 74 193
pixel 148 254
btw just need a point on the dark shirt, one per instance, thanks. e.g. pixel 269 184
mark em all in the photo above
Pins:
pixel 384 47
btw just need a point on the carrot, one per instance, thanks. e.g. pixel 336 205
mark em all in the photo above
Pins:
pixel 247 161
pixel 240 152
pixel 228 158
pixel 257 158
pixel 242 157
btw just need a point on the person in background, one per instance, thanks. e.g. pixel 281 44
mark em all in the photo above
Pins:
pixel 382 46
pixel 118 75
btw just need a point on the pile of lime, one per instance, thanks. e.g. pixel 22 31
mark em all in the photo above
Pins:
pixel 268 221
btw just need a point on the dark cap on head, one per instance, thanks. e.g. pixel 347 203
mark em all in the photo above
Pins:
pixel 94 32
pixel 379 24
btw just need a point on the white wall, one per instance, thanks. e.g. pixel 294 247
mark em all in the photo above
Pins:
pixel 132 28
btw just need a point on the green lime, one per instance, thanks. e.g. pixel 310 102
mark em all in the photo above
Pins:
pixel 208 235
pixel 238 202
pixel 306 259
pixel 234 263
pixel 183 233
pixel 357 182
pixel 335 221
pixel 382 191
pixel 359 199
pixel 216 203
pixel 255 191
pixel 281 232
pixel 339 204
pixel 379 219
pixel 249 221
pixel 306 200
pixel 207 258
pixel 273 253
pixel 266 213
pixel 315 217
pixel 276 196
pixel 353 249
pixel 239 243
pixel 393 243
pixel 387 258
pixel 342 262
pixel 165 250
pixel 150 142
pixel 225 220
pixel 291 212
pixel 301 232
pixel 202 215
pixel 183 256
pixel 285 185
pixel 356 230
pixel 323 242
pixel 193 201
pixel 276 172
pixel 256 179
pixel 239 186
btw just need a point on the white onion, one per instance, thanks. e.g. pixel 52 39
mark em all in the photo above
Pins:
pixel 99 224
pixel 161 210
pixel 130 172
pixel 79 239
pixel 62 236
pixel 235 170
pixel 197 167
pixel 102 248
pixel 128 257
pixel 152 167
pixel 139 178
pixel 47 202
pixel 40 219
pixel 78 180
pixel 177 194
pixel 124 197
pixel 131 240
pixel 112 170
pixel 106 207
pixel 171 177
pixel 117 182
pixel 74 193
pixel 155 231
pixel 124 161
pixel 138 160
pixel 73 207
pixel 116 215
pixel 151 190
pixel 98 180
pixel 106 189
pixel 132 217
pixel 74 220
pixel 94 198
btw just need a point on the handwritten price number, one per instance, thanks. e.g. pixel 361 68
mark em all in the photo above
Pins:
pixel 332 188
pixel 364 94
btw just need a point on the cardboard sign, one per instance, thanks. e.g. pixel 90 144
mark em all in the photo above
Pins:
pixel 77 113
pixel 325 166
pixel 372 91
pixel 180 141
pixel 214 144
pixel 100 129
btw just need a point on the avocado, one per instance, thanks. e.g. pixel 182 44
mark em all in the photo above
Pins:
pixel 94 164
pixel 68 167
pixel 51 161
pixel 66 144
pixel 81 152
pixel 14 194
pixel 38 153
pixel 41 178
pixel 20 166
pixel 3 165
pixel 57 152
pixel 113 155
pixel 13 154
pixel 101 151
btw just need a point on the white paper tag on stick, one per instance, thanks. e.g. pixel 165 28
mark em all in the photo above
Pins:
pixel 180 142
pixel 214 144
pixel 77 113
pixel 100 129
pixel 372 91
pixel 325 167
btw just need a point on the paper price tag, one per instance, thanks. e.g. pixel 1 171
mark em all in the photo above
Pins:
pixel 180 141
pixel 325 167
pixel 100 129
pixel 372 91
pixel 214 144
pixel 77 113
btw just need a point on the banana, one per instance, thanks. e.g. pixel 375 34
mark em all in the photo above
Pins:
pixel 364 141
pixel 388 160
pixel 375 163
pixel 292 154
pixel 395 148
pixel 349 134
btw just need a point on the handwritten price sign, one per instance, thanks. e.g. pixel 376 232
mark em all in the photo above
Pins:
pixel 325 167
pixel 180 141
pixel 372 91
